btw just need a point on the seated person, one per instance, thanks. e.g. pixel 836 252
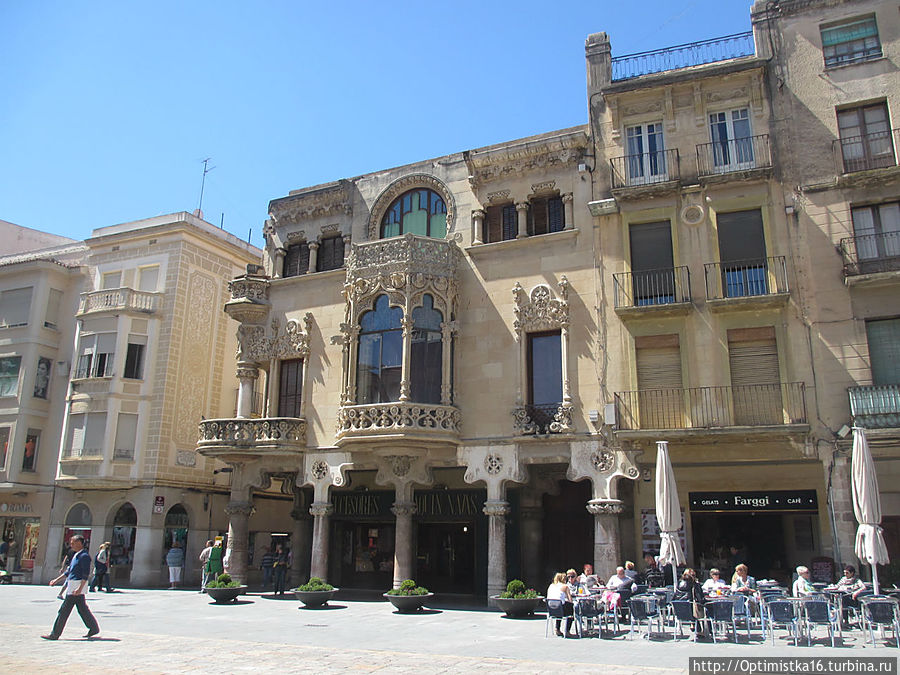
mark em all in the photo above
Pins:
pixel 617 582
pixel 653 575
pixel 632 573
pixel 559 590
pixel 689 590
pixel 743 582
pixel 802 585
pixel 852 587
pixel 588 579
pixel 572 581
pixel 715 584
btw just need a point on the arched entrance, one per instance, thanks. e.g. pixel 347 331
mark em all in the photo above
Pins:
pixel 78 521
pixel 176 528
pixel 122 542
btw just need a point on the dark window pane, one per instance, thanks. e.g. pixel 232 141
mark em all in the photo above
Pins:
pixel 380 354
pixel 290 388
pixel 510 222
pixel 296 260
pixel 741 236
pixel 426 353
pixel 331 254
pixel 545 368
pixel 134 361
pixel 556 215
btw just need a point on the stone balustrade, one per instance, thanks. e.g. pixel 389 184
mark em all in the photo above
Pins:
pixel 399 418
pixel 252 435
pixel 119 300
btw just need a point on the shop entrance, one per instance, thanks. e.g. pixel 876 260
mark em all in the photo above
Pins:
pixel 568 531
pixel 121 553
pixel 445 557
pixel 758 538
pixel 367 554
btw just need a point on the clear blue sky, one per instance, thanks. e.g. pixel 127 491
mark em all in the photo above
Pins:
pixel 108 109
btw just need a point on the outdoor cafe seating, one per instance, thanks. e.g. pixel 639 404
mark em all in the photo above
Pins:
pixel 880 611
pixel 644 610
pixel 778 612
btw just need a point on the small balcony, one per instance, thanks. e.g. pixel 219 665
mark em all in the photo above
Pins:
pixel 399 420
pixel 119 300
pixel 865 153
pixel 662 291
pixel 539 420
pixel 756 281
pixel 247 437
pixel 683 56
pixel 758 405
pixel 645 174
pixel 876 406
pixel 78 454
pixel 871 254
pixel 741 158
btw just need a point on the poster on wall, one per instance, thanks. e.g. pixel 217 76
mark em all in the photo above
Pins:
pixel 30 451
pixel 4 446
pixel 42 377
pixel 29 545
pixel 650 533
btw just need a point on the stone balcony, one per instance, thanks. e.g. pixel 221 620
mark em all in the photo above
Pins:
pixel 251 437
pixel 407 254
pixel 119 300
pixel 249 301
pixel 399 419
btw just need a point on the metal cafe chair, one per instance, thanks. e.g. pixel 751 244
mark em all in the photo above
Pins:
pixel 815 612
pixel 775 613
pixel 881 611
pixel 555 610
pixel 644 609
pixel 683 613
pixel 721 613
pixel 587 616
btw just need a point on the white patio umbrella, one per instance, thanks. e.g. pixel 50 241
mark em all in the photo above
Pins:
pixel 668 510
pixel 870 544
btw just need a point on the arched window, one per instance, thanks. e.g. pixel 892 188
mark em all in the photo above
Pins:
pixel 418 211
pixel 380 358
pixel 79 516
pixel 426 363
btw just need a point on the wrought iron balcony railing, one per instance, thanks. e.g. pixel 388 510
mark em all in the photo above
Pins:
pixel 712 407
pixel 871 253
pixel 547 418
pixel 119 300
pixel 649 168
pixel 746 278
pixel 267 434
pixel 399 417
pixel 876 406
pixel 734 155
pixel 648 288
pixel 862 153
pixel 683 56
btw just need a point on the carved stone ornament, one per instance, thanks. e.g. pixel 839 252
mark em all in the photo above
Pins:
pixel 297 235
pixel 400 464
pixel 379 418
pixel 328 200
pixel 186 458
pixel 603 460
pixel 249 288
pixel 493 464
pixel 540 310
pixel 319 470
pixel 499 196
pixel 605 507
pixel 321 509
pixel 525 423
pixel 496 509
pixel 518 159
pixel 401 509
pixel 543 188
pixel 401 185
pixel 255 345
pixel 240 509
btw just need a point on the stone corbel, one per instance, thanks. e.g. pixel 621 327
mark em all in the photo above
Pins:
pixel 603 465
pixel 494 465
pixel 322 471
pixel 402 470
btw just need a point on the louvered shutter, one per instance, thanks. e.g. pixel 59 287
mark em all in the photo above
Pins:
pixel 661 391
pixel 755 377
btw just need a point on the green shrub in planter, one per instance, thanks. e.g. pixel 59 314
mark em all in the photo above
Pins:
pixel 315 584
pixel 516 589
pixel 223 581
pixel 409 587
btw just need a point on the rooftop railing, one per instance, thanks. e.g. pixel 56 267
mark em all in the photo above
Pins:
pixel 683 56
pixel 871 253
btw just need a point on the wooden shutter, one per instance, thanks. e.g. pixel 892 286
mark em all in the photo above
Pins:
pixel 510 222
pixel 556 215
pixel 296 260
pixel 661 391
pixel 331 254
pixel 290 388
pixel 755 377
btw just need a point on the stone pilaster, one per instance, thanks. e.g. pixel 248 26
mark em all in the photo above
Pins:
pixel 496 511
pixel 567 200
pixel 607 551
pixel 247 373
pixel 239 513
pixel 313 257
pixel 321 512
pixel 521 220
pixel 278 263
pixel 300 542
pixel 403 549
pixel 477 226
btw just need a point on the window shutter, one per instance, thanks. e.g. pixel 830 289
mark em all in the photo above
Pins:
pixel 661 395
pixel 126 433
pixel 296 260
pixel 659 368
pixel 755 377
pixel 884 350
pixel 15 305
pixel 510 222
pixel 854 30
pixel 556 215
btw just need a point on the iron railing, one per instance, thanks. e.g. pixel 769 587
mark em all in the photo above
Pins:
pixel 119 299
pixel 870 151
pixel 648 168
pixel 871 253
pixel 746 278
pixel 876 406
pixel 683 56
pixel 123 453
pixel 712 407
pixel 733 155
pixel 543 418
pixel 652 287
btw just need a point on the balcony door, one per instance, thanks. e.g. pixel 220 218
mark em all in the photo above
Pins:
pixel 652 264
pixel 755 378
pixel 660 389
pixel 876 230
pixel 742 252
pixel 732 140
pixel 866 141
pixel 646 159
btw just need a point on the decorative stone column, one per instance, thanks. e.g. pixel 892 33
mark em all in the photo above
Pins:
pixel 407 324
pixel 239 513
pixel 521 220
pixel 300 539
pixel 607 551
pixel 567 200
pixel 247 373
pixel 477 226
pixel 278 263
pixel 313 257
pixel 448 328
pixel 403 550
pixel 320 512
pixel 496 511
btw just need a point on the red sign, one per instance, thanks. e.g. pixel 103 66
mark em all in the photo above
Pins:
pixel 159 503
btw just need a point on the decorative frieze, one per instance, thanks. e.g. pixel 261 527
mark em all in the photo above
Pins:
pixel 262 434
pixel 605 507
pixel 254 345
pixel 540 310
pixel 186 458
pixel 530 156
pixel 329 200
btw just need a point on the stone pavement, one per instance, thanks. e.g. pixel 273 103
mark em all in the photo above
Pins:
pixel 158 631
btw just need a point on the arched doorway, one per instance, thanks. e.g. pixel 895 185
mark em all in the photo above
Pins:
pixel 122 542
pixel 176 528
pixel 78 521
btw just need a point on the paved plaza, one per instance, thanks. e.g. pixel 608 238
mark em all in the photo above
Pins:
pixel 159 631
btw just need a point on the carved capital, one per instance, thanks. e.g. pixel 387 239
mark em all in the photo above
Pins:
pixel 245 509
pixel 321 509
pixel 247 371
pixel 605 507
pixel 300 513
pixel 403 509
pixel 568 198
pixel 496 509
pixel 477 215
pixel 521 206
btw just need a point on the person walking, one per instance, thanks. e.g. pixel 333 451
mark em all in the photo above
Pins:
pixel 76 580
pixel 204 557
pixel 280 566
pixel 267 565
pixel 101 569
pixel 214 565
pixel 63 569
pixel 175 561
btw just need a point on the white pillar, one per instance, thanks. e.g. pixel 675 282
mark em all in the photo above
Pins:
pixel 521 220
pixel 247 373
pixel 496 511
pixel 279 263
pixel 313 257
pixel 320 512
pixel 403 550
pixel 567 200
pixel 477 226
pixel 147 567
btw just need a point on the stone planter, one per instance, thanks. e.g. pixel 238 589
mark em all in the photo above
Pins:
pixel 314 599
pixel 407 604
pixel 223 595
pixel 516 608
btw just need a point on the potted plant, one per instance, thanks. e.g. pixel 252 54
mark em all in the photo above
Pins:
pixel 315 593
pixel 409 597
pixel 225 589
pixel 518 600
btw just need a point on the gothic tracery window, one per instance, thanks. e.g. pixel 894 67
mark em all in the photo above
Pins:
pixel 420 211
pixel 380 356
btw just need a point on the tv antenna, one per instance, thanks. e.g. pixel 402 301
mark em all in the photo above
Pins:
pixel 206 169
